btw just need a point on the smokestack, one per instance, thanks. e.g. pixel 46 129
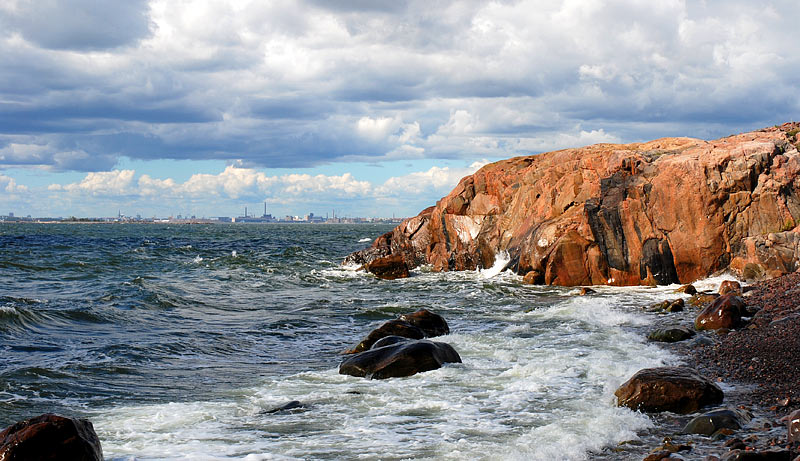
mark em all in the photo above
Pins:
pixel 245 212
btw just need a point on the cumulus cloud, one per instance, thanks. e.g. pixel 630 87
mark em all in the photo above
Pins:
pixel 300 83
pixel 242 184
pixel 10 186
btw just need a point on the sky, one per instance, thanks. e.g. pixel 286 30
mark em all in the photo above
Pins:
pixel 365 107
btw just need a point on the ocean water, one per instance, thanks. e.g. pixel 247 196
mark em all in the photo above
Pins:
pixel 175 341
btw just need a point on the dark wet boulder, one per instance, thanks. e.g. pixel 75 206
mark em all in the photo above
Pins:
pixel 389 267
pixel 670 334
pixel 389 340
pixel 533 277
pixel 675 389
pixel 404 358
pixel 712 421
pixel 729 287
pixel 675 305
pixel 294 405
pixel 687 289
pixel 586 291
pixel 394 327
pixel 725 312
pixel 431 324
pixel 50 437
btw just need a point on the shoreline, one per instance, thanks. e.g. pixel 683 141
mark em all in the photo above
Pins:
pixel 757 369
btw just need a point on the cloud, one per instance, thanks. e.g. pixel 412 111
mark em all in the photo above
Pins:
pixel 10 186
pixel 303 83
pixel 237 184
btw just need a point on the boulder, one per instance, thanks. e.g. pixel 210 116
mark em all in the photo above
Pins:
pixel 793 426
pixel 688 289
pixel 532 278
pixel 607 214
pixel 670 334
pixel 294 405
pixel 675 306
pixel 404 358
pixel 388 341
pixel 388 267
pixel 701 299
pixel 586 291
pixel 725 312
pixel 394 327
pixel 712 421
pixel 730 287
pixel 675 389
pixel 431 324
pixel 50 437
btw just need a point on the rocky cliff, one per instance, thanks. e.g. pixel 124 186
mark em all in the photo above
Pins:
pixel 671 210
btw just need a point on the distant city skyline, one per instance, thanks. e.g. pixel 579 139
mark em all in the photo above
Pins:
pixel 373 108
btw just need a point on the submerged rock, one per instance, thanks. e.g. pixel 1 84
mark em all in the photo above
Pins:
pixel 50 437
pixel 670 334
pixel 402 358
pixel 725 312
pixel 712 421
pixel 676 389
pixel 294 405
pixel 607 214
pixel 765 455
pixel 793 426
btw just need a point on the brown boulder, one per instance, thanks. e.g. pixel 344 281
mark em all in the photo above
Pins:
pixel 725 312
pixel 793 426
pixel 431 324
pixel 394 327
pixel 688 289
pixel 675 389
pixel 701 299
pixel 402 358
pixel 50 437
pixel 729 287
pixel 533 278
pixel 607 214
pixel 388 267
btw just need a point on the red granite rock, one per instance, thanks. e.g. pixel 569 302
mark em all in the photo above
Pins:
pixel 672 210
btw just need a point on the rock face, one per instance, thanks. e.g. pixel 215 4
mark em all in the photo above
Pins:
pixel 667 211
pixel 675 389
pixel 725 312
pixel 50 437
pixel 402 358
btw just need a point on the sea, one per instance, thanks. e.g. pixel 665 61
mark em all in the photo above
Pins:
pixel 177 341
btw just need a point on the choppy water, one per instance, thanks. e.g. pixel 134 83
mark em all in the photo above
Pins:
pixel 174 340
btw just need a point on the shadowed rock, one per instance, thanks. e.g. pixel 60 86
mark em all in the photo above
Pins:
pixel 675 389
pixel 403 358
pixel 688 289
pixel 50 437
